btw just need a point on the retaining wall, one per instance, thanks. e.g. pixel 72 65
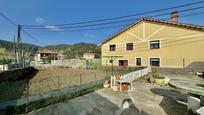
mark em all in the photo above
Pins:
pixel 48 98
pixel 15 74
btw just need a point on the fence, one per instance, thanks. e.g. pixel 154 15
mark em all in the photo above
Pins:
pixel 12 66
pixel 77 63
pixel 53 79
pixel 129 77
pixel 73 63
pixel 139 73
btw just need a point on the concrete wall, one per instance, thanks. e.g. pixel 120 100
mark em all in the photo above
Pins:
pixel 3 68
pixel 176 44
pixel 15 74
pixel 73 63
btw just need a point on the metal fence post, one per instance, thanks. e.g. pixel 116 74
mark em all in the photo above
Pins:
pixel 106 73
pixel 95 78
pixel 80 79
pixel 183 63
pixel 27 96
pixel 58 82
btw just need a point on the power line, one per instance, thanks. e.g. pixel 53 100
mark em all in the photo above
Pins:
pixel 16 25
pixel 107 27
pixel 120 17
pixel 9 20
pixel 112 22
pixel 31 36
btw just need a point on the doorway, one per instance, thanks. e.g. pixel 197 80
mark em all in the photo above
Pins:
pixel 123 63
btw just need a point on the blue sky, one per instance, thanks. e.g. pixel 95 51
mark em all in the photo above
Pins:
pixel 36 12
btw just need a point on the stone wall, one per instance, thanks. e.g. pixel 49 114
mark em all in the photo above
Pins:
pixel 73 63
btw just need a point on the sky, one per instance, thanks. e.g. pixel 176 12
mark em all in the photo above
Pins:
pixel 48 12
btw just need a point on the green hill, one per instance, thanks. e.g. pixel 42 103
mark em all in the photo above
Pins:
pixel 8 45
pixel 76 50
pixel 70 51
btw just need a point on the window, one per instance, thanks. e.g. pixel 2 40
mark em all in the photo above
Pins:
pixel 129 46
pixel 138 61
pixel 154 61
pixel 112 47
pixel 154 44
pixel 123 63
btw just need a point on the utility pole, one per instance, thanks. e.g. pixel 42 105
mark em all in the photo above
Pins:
pixel 18 43
pixel 14 49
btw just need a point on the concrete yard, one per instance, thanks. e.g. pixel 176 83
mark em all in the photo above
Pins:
pixel 145 98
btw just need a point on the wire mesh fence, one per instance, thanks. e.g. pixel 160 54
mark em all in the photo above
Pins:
pixel 55 78
pixel 48 80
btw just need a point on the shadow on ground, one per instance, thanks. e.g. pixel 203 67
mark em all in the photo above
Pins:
pixel 200 85
pixel 170 102
pixel 91 104
pixel 11 90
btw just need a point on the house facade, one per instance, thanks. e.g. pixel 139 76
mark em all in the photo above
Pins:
pixel 45 54
pixel 88 56
pixel 156 42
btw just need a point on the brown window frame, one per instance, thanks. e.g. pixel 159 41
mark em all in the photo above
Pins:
pixel 129 46
pixel 154 45
pixel 112 49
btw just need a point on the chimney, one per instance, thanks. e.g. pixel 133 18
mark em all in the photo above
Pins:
pixel 174 16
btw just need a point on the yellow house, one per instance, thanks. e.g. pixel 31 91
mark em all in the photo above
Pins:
pixel 156 42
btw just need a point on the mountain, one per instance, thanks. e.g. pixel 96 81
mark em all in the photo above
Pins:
pixel 76 50
pixel 8 45
pixel 64 47
pixel 70 51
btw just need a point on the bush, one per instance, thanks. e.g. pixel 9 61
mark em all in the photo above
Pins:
pixel 5 61
pixel 157 76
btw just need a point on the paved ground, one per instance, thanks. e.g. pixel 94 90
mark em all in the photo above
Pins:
pixel 145 98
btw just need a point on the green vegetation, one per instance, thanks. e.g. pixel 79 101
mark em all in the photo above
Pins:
pixel 5 61
pixel 157 76
pixel 70 51
pixel 93 64
pixel 8 45
pixel 121 70
pixel 76 50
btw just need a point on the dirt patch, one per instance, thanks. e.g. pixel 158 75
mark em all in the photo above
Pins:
pixel 47 80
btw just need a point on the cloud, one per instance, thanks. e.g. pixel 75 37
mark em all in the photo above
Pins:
pixel 86 35
pixel 39 20
pixel 53 28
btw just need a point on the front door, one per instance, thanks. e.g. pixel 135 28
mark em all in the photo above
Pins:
pixel 123 63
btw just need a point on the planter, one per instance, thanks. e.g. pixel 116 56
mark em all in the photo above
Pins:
pixel 124 87
pixel 116 87
pixel 161 81
pixel 106 84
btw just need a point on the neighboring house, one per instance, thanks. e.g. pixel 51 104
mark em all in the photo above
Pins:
pixel 156 42
pixel 88 56
pixel 45 54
